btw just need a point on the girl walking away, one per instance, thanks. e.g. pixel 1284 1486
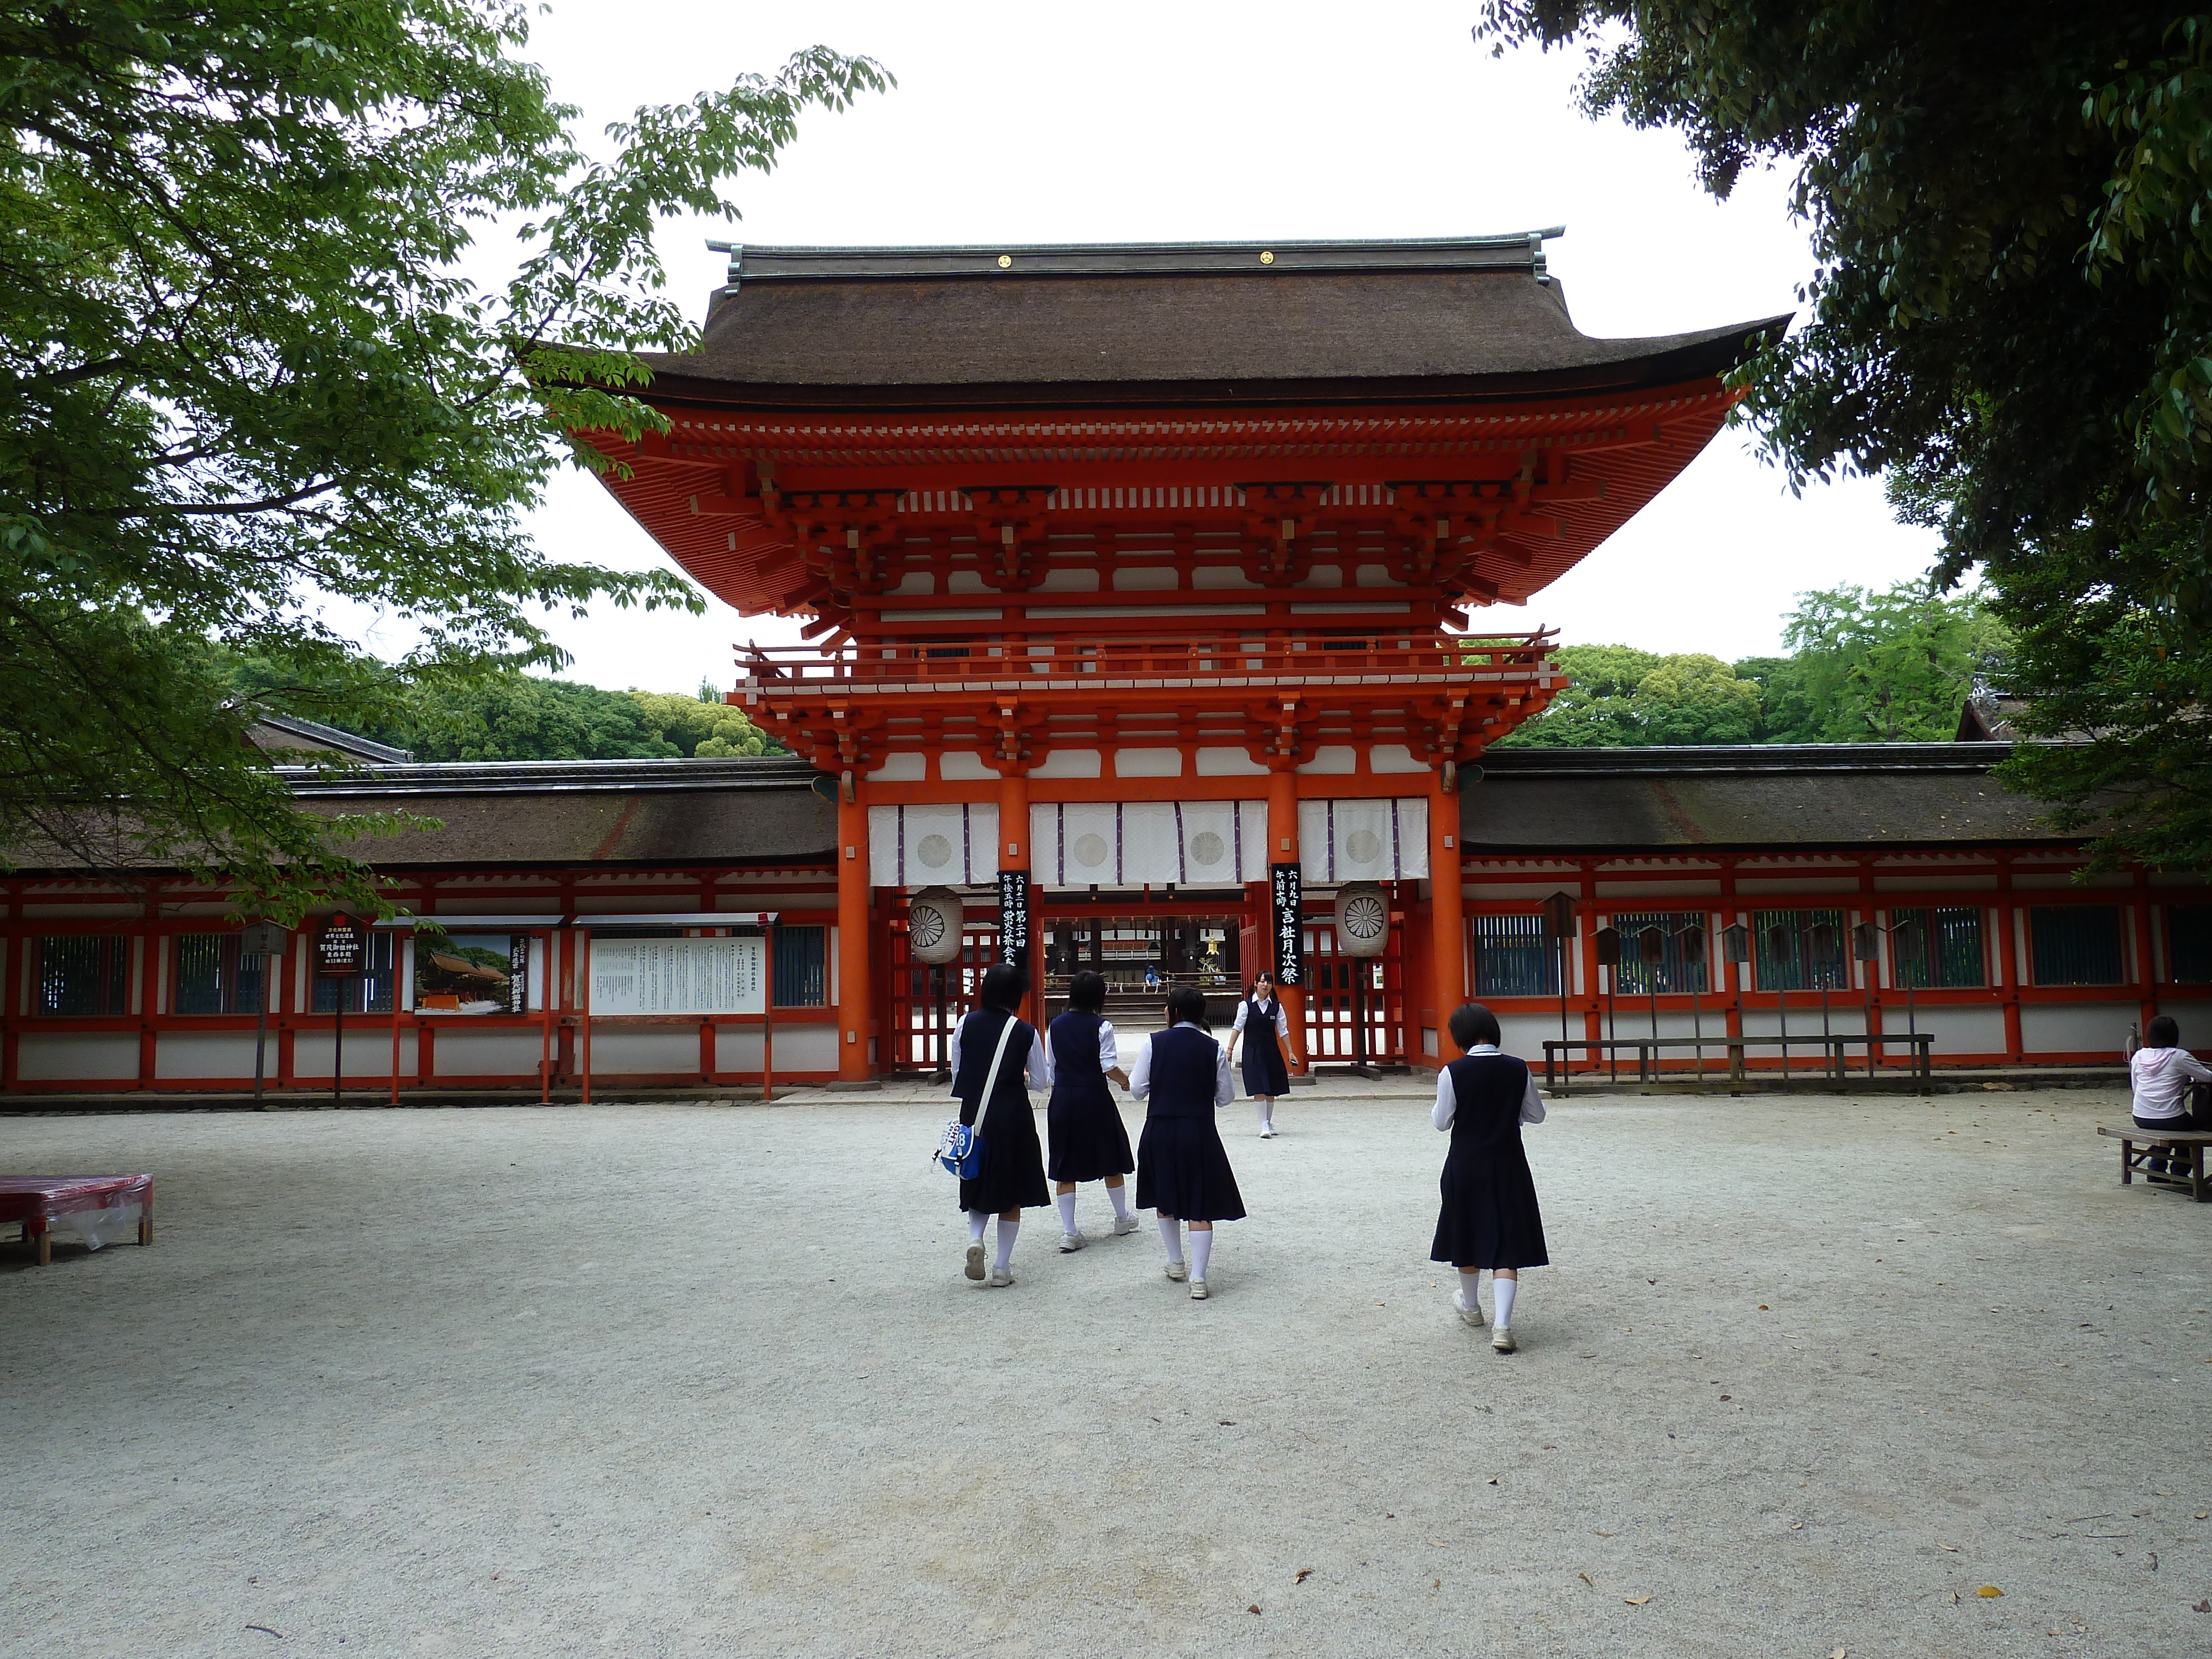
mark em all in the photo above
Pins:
pixel 1182 1170
pixel 2161 1072
pixel 1259 1026
pixel 1082 1122
pixel 1010 1170
pixel 1489 1217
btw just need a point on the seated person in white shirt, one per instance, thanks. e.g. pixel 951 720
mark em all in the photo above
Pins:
pixel 2160 1072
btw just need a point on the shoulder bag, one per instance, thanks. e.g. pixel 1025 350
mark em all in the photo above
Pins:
pixel 960 1148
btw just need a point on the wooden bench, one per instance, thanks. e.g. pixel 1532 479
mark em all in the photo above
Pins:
pixel 103 1209
pixel 2184 1147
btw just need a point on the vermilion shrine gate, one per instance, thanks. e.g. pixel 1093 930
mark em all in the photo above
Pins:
pixel 1137 575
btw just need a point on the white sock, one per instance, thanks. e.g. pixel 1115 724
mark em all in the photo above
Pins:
pixel 1121 1196
pixel 1503 1289
pixel 1066 1202
pixel 1470 1286
pixel 1171 1230
pixel 977 1220
pixel 1266 1111
pixel 1007 1230
pixel 1201 1247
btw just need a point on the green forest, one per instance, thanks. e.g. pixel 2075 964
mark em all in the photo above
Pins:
pixel 1864 665
pixel 517 717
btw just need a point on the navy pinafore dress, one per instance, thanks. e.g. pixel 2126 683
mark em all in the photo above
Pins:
pixel 1182 1169
pixel 1010 1175
pixel 1489 1217
pixel 1082 1123
pixel 1263 1068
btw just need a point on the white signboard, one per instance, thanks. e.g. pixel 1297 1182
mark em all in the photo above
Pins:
pixel 678 976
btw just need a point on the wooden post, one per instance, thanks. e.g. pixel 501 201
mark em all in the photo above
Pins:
pixel 584 1008
pixel 402 957
pixel 767 1011
pixel 854 979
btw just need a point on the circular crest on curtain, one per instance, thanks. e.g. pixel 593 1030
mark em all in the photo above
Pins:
pixel 932 926
pixel 1362 919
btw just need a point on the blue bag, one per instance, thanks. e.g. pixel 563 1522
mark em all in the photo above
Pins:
pixel 960 1148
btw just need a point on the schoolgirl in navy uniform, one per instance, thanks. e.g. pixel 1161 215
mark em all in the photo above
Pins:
pixel 1182 1170
pixel 1082 1124
pixel 1010 1175
pixel 1259 1025
pixel 1489 1219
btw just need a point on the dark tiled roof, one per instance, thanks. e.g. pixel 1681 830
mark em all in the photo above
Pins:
pixel 923 327
pixel 1839 795
pixel 573 813
pixel 275 734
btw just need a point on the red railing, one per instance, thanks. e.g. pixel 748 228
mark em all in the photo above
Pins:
pixel 1424 653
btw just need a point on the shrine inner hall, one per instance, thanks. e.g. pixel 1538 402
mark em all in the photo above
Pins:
pixel 1163 608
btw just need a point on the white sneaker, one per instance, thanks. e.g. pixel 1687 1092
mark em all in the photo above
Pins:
pixel 1470 1312
pixel 1198 1290
pixel 1177 1270
pixel 1071 1243
pixel 999 1279
pixel 1501 1338
pixel 1266 1132
pixel 974 1267
pixel 1123 1226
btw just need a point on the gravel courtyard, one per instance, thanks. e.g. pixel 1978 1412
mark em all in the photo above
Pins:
pixel 706 1380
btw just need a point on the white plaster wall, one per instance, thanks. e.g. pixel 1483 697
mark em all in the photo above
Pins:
pixel 2196 1021
pixel 1228 762
pixel 1525 1034
pixel 65 1056
pixel 505 1052
pixel 904 766
pixel 1148 763
pixel 797 1049
pixel 1070 763
pixel 367 1051
pixel 1393 757
pixel 1956 1031
pixel 2077 1027
pixel 669 1049
pixel 211 1054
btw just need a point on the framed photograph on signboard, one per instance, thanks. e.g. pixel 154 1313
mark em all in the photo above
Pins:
pixel 472 974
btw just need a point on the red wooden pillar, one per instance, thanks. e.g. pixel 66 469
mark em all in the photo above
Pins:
pixel 2146 961
pixel 1586 938
pixel 2008 962
pixel 855 981
pixel 1447 920
pixel 1283 849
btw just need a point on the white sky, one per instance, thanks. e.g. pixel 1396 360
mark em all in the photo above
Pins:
pixel 1149 121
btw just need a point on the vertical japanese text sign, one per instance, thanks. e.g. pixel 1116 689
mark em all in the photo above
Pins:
pixel 1014 918
pixel 1289 924
pixel 339 948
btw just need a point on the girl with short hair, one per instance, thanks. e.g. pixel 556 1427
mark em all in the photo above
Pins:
pixel 1082 1124
pixel 1258 1027
pixel 1182 1170
pixel 1009 1170
pixel 1489 1217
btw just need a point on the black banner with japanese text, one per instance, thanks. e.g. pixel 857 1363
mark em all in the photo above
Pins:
pixel 1289 884
pixel 1014 918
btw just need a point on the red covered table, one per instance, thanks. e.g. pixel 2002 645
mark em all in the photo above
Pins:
pixel 99 1209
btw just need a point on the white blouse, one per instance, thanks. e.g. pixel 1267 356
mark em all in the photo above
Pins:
pixel 1446 1106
